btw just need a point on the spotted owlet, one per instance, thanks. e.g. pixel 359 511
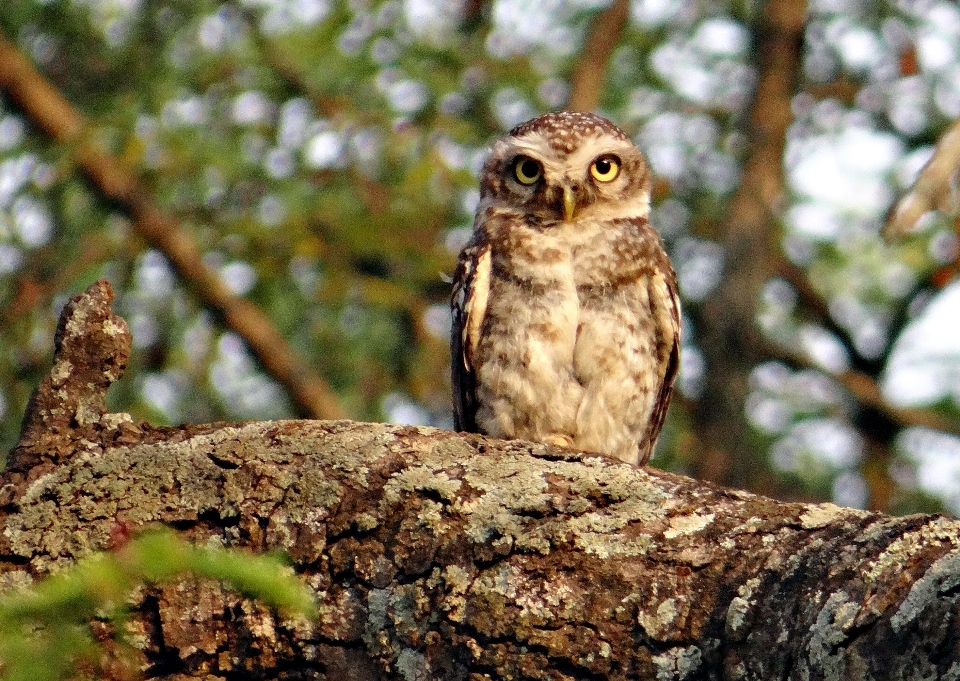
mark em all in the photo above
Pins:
pixel 566 319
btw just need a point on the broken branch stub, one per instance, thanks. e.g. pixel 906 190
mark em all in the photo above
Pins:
pixel 91 350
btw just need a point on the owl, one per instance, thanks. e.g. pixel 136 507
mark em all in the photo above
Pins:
pixel 566 317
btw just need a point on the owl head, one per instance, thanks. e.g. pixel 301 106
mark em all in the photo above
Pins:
pixel 566 167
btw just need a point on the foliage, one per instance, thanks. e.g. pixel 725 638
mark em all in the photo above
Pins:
pixel 44 630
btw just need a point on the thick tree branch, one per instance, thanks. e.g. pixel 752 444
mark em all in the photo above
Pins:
pixel 53 114
pixel 449 556
pixel 591 69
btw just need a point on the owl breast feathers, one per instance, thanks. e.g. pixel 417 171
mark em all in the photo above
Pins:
pixel 566 318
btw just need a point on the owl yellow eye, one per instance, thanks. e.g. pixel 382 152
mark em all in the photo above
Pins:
pixel 605 168
pixel 526 170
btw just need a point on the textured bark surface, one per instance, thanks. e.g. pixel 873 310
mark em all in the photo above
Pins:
pixel 438 555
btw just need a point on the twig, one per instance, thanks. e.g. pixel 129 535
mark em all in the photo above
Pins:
pixel 865 390
pixel 934 188
pixel 283 67
pixel 868 393
pixel 590 72
pixel 50 111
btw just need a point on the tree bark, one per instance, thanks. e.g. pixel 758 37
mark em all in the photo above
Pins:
pixel 438 555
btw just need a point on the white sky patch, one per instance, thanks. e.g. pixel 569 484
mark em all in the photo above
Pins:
pixel 814 220
pixel 510 107
pixel 252 107
pixel 216 32
pixel 10 258
pixel 824 349
pixel 937 458
pixel 652 13
pixel 947 92
pixel 908 103
pixel 153 275
pixel 847 170
pixel 280 163
pixel 198 337
pixel 520 25
pixel 686 72
pixel 400 409
pixel 110 15
pixel 437 320
pixel 185 111
pixel 850 489
pixel 860 48
pixel 235 377
pixel 324 150
pixel 662 141
pixel 699 266
pixel 936 51
pixel 524 20
pixel 283 16
pixel 294 122
pixel 924 365
pixel 12 132
pixel 272 210
pixel 239 277
pixel 828 441
pixel 144 329
pixel 32 221
pixel 408 96
pixel 432 20
pixel 309 11
pixel 694 82
pixel 164 392
pixel 455 156
pixel 722 36
pixel 15 174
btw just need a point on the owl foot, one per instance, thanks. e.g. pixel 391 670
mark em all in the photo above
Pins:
pixel 559 440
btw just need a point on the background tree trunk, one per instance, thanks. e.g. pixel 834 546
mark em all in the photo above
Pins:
pixel 731 453
pixel 441 555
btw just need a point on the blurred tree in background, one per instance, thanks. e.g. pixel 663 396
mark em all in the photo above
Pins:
pixel 276 189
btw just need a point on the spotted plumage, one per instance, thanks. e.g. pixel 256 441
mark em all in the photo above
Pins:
pixel 566 318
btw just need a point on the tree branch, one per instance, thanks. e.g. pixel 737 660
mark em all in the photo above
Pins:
pixel 934 188
pixel 591 69
pixel 861 385
pixel 53 114
pixel 864 389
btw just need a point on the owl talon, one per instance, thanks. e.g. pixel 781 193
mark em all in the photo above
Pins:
pixel 559 440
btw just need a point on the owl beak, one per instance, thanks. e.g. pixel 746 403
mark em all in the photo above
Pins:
pixel 569 204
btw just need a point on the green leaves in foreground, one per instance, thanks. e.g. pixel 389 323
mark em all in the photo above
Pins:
pixel 44 631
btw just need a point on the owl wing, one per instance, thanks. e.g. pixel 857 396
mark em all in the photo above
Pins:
pixel 471 287
pixel 665 302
